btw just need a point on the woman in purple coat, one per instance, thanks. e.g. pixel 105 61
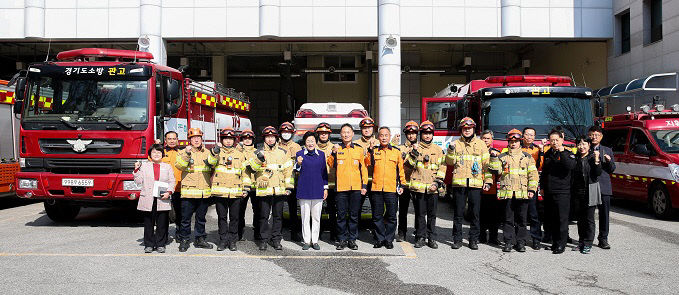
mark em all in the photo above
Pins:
pixel 156 180
pixel 312 189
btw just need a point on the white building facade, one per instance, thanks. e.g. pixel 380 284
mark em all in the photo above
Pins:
pixel 556 36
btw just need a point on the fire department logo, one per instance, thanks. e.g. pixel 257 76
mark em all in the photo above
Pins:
pixel 79 145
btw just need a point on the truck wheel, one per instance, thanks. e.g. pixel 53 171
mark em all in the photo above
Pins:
pixel 660 201
pixel 61 211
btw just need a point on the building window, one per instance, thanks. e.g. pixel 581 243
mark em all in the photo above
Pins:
pixel 652 21
pixel 342 68
pixel 624 29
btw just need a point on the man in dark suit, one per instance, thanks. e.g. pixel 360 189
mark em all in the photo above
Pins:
pixel 608 164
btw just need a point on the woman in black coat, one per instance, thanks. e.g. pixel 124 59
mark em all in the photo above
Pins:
pixel 585 187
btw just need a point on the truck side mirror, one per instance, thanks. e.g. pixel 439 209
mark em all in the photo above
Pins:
pixel 19 92
pixel 171 109
pixel 171 89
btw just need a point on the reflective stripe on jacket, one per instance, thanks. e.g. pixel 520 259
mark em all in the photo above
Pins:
pixel 196 172
pixel 470 159
pixel 517 174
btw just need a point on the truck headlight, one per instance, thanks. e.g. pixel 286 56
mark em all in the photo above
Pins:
pixel 674 169
pixel 28 183
pixel 130 185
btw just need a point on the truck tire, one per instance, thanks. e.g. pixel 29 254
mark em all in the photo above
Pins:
pixel 660 201
pixel 61 211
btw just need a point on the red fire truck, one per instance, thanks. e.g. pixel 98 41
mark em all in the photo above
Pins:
pixel 646 149
pixel 87 118
pixel 9 156
pixel 501 103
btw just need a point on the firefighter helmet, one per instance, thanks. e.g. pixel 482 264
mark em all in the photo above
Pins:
pixel 323 127
pixel 195 132
pixel 367 122
pixel 286 127
pixel 269 130
pixel 427 126
pixel 227 132
pixel 514 134
pixel 411 126
pixel 247 133
pixel 467 122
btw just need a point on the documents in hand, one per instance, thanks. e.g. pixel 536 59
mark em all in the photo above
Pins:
pixel 159 188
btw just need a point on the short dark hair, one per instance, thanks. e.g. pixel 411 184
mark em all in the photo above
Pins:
pixel 487 131
pixel 310 134
pixel 383 127
pixel 347 125
pixel 170 132
pixel 528 128
pixel 558 131
pixel 156 147
pixel 596 128
pixel 583 138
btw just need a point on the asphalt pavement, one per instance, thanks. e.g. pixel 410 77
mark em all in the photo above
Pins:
pixel 101 253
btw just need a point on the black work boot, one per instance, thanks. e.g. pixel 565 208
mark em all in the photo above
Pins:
pixel 521 247
pixel 420 243
pixel 232 246
pixel 221 246
pixel 474 245
pixel 507 248
pixel 401 236
pixel 184 245
pixel 536 244
pixel 456 245
pixel 432 244
pixel 201 243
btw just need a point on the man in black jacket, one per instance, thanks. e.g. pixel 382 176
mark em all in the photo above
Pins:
pixel 555 180
pixel 608 166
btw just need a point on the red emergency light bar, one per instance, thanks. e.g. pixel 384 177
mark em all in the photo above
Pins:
pixel 307 113
pixel 529 79
pixel 104 52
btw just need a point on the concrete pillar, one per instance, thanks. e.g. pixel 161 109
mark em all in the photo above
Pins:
pixel 219 69
pixel 511 18
pixel 150 17
pixel 34 18
pixel 269 18
pixel 389 65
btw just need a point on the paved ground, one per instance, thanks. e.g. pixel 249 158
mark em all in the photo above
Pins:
pixel 100 253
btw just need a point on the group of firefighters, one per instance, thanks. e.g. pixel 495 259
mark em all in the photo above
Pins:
pixel 484 181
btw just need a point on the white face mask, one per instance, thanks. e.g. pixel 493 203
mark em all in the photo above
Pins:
pixel 286 136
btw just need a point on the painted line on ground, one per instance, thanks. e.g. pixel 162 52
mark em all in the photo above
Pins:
pixel 24 254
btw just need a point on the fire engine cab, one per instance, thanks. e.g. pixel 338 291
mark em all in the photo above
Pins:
pixel 646 149
pixel 89 116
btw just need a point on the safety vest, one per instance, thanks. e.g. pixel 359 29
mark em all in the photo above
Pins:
pixel 427 167
pixel 274 175
pixel 196 172
pixel 470 159
pixel 231 179
pixel 517 174
pixel 352 172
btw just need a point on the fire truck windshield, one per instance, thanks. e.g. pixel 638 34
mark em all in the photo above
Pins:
pixel 667 140
pixel 77 102
pixel 542 113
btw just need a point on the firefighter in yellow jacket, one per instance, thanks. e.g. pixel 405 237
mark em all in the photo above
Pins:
pixel 273 173
pixel 247 140
pixel 410 130
pixel 518 181
pixel 285 133
pixel 388 178
pixel 323 130
pixel 367 141
pixel 230 184
pixel 470 158
pixel 427 162
pixel 196 163
pixel 347 160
